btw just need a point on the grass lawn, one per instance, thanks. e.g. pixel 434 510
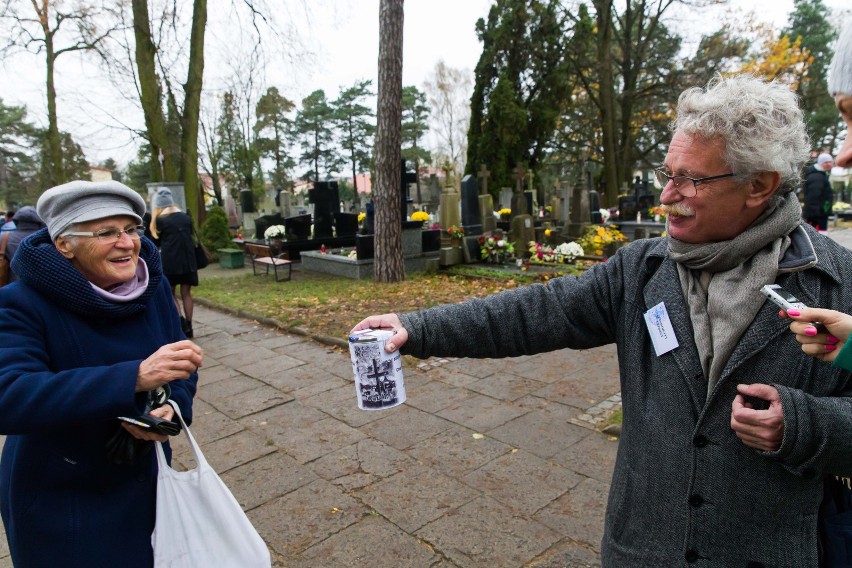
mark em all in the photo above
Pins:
pixel 331 306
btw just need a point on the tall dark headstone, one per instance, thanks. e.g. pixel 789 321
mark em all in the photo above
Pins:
pixel 247 201
pixel 405 178
pixel 326 202
pixel 471 219
pixel 595 206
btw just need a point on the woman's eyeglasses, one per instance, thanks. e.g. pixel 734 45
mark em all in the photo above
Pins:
pixel 110 235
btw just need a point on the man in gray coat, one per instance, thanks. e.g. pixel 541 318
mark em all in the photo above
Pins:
pixel 728 428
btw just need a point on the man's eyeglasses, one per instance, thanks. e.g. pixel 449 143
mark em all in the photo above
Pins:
pixel 685 185
pixel 110 235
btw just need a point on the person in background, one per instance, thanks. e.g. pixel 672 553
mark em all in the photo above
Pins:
pixel 27 222
pixel 87 333
pixel 818 194
pixel 172 229
pixel 727 430
pixel 8 222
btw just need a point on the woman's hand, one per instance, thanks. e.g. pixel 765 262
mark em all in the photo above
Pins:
pixel 173 361
pixel 825 341
pixel 166 412
pixel 386 321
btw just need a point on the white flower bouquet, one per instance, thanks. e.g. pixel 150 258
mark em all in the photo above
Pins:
pixel 274 232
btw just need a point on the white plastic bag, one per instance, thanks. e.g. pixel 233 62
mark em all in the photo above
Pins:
pixel 199 523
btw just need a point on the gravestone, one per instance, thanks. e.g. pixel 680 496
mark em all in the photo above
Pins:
pixel 297 228
pixel 556 209
pixel 282 201
pixel 595 207
pixel 580 213
pixel 532 203
pixel 434 201
pixel 522 232
pixel 627 208
pixel 405 178
pixel 505 198
pixel 345 224
pixel 646 201
pixel 471 220
pixel 264 222
pixel 565 192
pixel 519 198
pixel 326 201
pixel 486 202
pixel 371 217
pixel 450 213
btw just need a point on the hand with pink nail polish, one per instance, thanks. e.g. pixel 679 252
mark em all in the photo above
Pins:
pixel 823 342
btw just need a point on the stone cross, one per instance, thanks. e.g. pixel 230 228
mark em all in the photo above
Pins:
pixel 518 174
pixel 531 176
pixel 448 178
pixel 484 174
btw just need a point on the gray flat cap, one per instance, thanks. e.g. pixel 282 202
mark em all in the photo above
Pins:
pixel 81 201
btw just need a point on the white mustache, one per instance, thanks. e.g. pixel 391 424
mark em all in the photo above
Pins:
pixel 677 210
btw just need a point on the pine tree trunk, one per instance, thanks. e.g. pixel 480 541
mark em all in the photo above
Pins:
pixel 191 111
pixel 389 265
pixel 607 101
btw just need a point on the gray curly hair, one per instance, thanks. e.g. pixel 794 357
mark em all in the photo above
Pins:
pixel 760 122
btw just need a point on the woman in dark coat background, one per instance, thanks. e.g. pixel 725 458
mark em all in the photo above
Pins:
pixel 172 229
pixel 86 333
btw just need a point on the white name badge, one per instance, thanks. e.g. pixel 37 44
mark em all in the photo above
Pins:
pixel 660 328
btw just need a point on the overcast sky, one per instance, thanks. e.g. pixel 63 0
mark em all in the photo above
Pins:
pixel 344 34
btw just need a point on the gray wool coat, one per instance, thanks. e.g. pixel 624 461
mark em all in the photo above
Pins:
pixel 685 490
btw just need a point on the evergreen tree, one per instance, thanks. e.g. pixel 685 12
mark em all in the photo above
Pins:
pixel 274 129
pixel 522 78
pixel 809 21
pixel 240 159
pixel 214 231
pixel 354 122
pixel 414 116
pixel 17 164
pixel 74 163
pixel 314 126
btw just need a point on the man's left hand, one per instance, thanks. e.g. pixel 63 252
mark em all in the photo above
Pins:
pixel 759 429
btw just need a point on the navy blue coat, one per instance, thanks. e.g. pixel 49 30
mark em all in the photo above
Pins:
pixel 68 366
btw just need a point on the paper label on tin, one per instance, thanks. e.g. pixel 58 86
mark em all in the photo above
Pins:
pixel 378 374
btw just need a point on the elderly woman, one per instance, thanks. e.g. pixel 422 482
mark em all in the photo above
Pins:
pixel 87 332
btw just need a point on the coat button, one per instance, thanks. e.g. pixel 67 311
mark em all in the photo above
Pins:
pixel 699 441
pixel 696 500
pixel 691 556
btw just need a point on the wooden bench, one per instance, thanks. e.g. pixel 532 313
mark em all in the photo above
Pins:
pixel 261 254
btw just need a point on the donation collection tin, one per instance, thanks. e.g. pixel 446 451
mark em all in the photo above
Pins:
pixel 378 374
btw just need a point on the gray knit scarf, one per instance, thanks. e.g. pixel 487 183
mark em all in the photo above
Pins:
pixel 721 281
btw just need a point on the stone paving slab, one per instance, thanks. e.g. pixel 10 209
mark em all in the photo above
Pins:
pixel 485 465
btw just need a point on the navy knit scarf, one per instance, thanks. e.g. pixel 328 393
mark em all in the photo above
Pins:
pixel 39 265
